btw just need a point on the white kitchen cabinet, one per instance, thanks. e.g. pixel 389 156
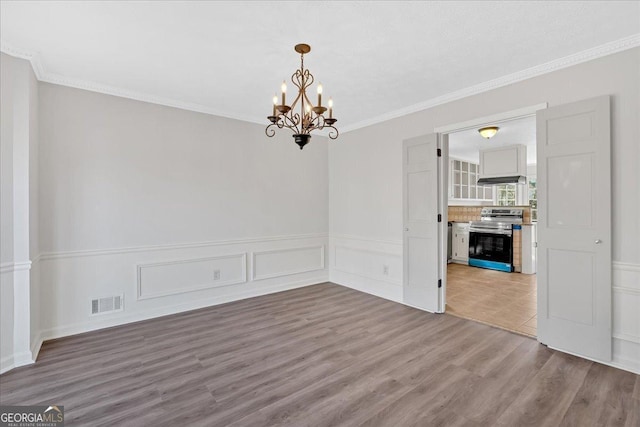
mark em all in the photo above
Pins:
pixel 503 161
pixel 460 242
pixel 463 182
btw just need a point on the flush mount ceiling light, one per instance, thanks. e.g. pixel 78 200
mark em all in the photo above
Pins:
pixel 310 117
pixel 489 131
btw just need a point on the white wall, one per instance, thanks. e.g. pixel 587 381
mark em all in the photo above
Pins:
pixel 365 181
pixel 126 186
pixel 18 99
pixel 6 213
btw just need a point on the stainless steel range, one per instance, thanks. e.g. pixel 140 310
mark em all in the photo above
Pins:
pixel 491 238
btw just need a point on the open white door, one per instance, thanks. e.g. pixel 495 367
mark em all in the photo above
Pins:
pixel 574 228
pixel 422 229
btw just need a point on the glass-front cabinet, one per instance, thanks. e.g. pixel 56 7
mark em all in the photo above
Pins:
pixel 463 182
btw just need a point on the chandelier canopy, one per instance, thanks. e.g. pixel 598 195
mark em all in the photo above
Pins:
pixel 308 117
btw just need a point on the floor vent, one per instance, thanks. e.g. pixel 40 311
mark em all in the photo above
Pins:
pixel 107 304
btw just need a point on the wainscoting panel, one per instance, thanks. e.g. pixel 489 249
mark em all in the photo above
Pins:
pixel 626 316
pixel 368 265
pixel 174 277
pixel 167 279
pixel 285 262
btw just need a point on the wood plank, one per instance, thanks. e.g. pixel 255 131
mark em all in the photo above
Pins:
pixel 322 355
pixel 491 396
pixel 548 395
pixel 605 398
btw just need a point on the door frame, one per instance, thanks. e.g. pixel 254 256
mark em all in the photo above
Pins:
pixel 443 135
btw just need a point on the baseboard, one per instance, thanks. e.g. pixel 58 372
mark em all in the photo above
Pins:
pixel 6 364
pixel 616 362
pixel 369 289
pixel 22 359
pixel 36 345
pixel 79 328
pixel 624 364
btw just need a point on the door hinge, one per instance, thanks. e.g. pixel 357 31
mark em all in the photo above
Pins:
pixel 439 217
pixel 439 283
pixel 439 151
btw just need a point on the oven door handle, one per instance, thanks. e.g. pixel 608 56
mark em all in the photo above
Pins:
pixel 491 231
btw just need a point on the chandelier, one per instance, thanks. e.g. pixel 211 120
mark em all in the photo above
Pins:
pixel 309 117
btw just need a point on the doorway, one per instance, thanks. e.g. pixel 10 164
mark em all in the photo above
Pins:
pixel 491 256
pixel 573 233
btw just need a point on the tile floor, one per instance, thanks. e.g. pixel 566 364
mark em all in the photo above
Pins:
pixel 506 300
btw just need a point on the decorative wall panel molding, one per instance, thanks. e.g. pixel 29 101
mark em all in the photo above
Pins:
pixel 176 277
pixel 284 262
pixel 626 303
pixel 368 263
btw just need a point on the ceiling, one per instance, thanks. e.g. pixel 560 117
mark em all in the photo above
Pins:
pixel 466 145
pixel 376 59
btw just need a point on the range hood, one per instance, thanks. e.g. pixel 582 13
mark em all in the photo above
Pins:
pixel 516 179
pixel 503 165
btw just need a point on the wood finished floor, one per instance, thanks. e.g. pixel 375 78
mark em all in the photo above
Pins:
pixel 506 300
pixel 323 355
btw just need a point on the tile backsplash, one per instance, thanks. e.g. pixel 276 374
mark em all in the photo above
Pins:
pixel 472 213
pixel 464 213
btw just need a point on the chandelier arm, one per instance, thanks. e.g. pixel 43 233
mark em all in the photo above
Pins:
pixel 291 122
pixel 295 101
pixel 270 132
pixel 334 133
pixel 316 123
pixel 297 79
pixel 308 78
pixel 306 99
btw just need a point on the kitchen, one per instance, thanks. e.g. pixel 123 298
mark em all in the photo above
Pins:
pixel 492 213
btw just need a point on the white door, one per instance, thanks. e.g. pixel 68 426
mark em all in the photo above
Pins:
pixel 422 230
pixel 574 228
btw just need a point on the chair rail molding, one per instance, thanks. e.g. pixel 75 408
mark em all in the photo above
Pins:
pixel 46 256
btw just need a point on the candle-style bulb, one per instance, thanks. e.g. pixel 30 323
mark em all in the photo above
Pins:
pixel 284 91
pixel 330 108
pixel 275 99
pixel 330 102
pixel 319 95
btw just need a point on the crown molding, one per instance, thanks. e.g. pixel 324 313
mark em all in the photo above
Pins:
pixel 587 55
pixel 548 67
pixel 32 57
pixel 44 76
pixel 140 96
